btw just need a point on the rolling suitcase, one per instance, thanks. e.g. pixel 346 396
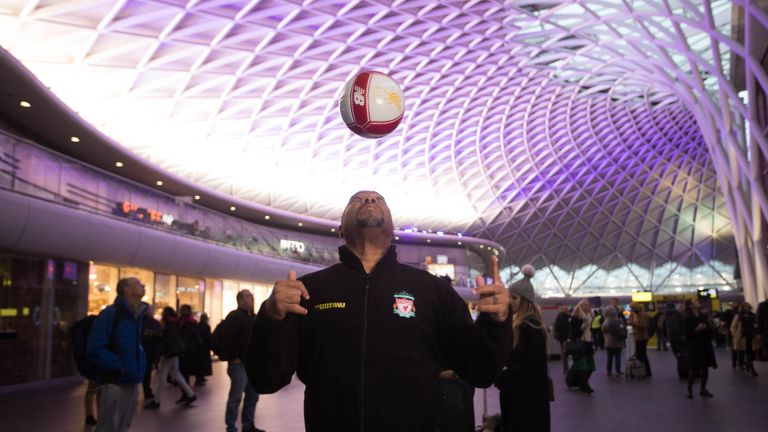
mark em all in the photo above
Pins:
pixel 635 369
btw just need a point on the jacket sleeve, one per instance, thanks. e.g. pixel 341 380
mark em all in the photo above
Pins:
pixel 98 342
pixel 475 351
pixel 272 353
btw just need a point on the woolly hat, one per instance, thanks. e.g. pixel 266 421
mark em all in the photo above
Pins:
pixel 523 287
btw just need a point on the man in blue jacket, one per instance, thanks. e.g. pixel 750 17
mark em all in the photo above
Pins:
pixel 114 347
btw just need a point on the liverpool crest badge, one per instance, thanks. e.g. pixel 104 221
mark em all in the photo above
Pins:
pixel 404 306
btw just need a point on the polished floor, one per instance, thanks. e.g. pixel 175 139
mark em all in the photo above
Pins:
pixel 618 405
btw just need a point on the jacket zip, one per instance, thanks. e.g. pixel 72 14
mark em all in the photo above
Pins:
pixel 362 355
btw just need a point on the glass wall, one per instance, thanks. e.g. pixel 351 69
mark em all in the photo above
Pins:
pixel 39 300
pixel 165 292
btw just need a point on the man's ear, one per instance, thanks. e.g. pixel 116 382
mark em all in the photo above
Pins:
pixel 341 232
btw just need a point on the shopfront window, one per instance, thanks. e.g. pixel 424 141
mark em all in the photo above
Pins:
pixel 191 291
pixel 102 287
pixel 165 292
pixel 229 297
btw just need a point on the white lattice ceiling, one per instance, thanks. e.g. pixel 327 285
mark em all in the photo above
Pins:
pixel 538 125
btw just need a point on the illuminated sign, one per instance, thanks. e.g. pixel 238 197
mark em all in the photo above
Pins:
pixel 642 297
pixel 442 259
pixel 143 214
pixel 292 246
pixel 710 293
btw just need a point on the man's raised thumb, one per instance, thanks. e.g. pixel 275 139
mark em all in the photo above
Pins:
pixel 292 275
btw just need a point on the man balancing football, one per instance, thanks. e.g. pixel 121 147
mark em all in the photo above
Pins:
pixel 369 336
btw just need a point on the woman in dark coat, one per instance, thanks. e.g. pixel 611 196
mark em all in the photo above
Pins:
pixel 189 363
pixel 204 363
pixel 523 395
pixel 698 330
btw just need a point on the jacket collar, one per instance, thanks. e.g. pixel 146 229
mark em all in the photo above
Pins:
pixel 351 260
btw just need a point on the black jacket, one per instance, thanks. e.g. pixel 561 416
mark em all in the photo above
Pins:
pixel 762 319
pixel 367 363
pixel 562 326
pixel 236 332
pixel 524 396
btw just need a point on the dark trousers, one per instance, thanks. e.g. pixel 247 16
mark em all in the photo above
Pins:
pixel 642 355
pixel 147 384
pixel 614 354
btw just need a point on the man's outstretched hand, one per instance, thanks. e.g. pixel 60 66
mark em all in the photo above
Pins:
pixel 494 298
pixel 286 298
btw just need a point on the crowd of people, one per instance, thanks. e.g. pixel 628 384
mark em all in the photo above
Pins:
pixel 356 331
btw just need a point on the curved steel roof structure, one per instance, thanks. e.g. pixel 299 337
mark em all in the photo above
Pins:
pixel 575 133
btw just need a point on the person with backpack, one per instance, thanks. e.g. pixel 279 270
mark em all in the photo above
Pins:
pixel 170 347
pixel 615 335
pixel 114 348
pixel 79 339
pixel 229 342
pixel 641 325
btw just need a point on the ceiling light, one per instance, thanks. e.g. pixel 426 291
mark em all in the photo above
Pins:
pixel 119 164
pixel 159 182
pixel 25 104
pixel 429 241
pixel 459 243
pixel 232 208
pixel 333 229
pixel 75 139
pixel 197 197
pixel 397 237
pixel 301 224
pixel 266 217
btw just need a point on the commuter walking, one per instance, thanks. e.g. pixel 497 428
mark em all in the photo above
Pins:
pixel 743 328
pixel 231 339
pixel 641 322
pixel 150 336
pixel 114 347
pixel 205 368
pixel 673 327
pixel 561 330
pixel 79 340
pixel 523 395
pixel 615 334
pixel 171 347
pixel 189 362
pixel 698 330
pixel 583 362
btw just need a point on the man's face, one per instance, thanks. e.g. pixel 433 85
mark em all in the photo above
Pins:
pixel 615 303
pixel 366 210
pixel 134 291
pixel 245 301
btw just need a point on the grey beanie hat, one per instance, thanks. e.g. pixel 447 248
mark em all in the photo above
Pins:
pixel 523 287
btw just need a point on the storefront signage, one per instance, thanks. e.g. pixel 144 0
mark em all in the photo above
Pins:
pixel 292 246
pixel 143 214
pixel 442 259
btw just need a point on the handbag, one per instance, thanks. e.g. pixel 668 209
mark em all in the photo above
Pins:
pixel 574 348
pixel 550 387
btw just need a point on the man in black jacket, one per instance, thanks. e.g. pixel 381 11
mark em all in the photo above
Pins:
pixel 561 329
pixel 369 336
pixel 235 332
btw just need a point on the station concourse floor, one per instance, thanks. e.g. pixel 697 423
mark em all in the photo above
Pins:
pixel 618 405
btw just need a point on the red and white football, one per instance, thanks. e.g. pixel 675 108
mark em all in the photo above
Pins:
pixel 371 104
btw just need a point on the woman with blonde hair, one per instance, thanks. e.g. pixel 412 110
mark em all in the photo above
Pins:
pixel 524 395
pixel 581 330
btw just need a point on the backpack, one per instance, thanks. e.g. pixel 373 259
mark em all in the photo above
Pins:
pixel 78 335
pixel 620 330
pixel 221 345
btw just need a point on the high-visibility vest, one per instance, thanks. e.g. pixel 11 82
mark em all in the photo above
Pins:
pixel 596 322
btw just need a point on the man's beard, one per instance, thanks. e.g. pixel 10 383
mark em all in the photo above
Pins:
pixel 370 221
